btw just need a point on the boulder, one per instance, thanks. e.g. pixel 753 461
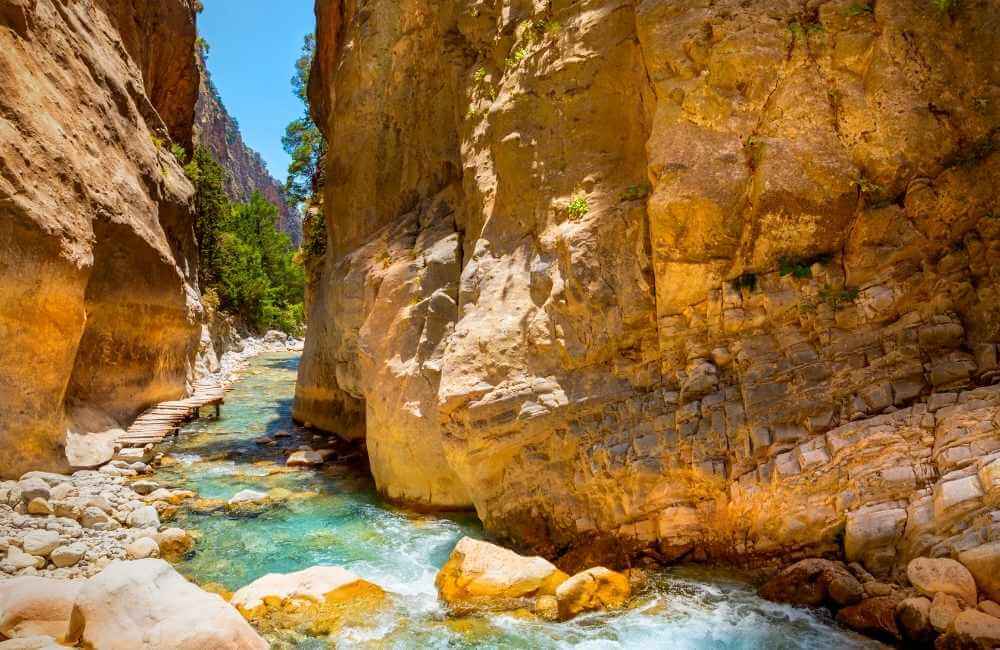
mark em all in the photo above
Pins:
pixel 983 562
pixel 913 618
pixel 990 607
pixel 593 589
pixel 68 555
pixel 50 478
pixel 142 548
pixel 40 542
pixel 814 583
pixel 486 575
pixel 944 609
pixel 971 629
pixel 146 605
pixel 304 459
pixel 874 617
pixel 31 605
pixel 247 496
pixel 319 597
pixel 144 517
pixel 942 575
pixel 174 543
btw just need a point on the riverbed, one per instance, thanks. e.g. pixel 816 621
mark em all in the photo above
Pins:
pixel 334 516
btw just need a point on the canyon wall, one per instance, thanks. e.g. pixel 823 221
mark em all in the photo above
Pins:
pixel 696 279
pixel 217 130
pixel 99 310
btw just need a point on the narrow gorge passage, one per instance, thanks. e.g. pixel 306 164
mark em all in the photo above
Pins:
pixel 333 516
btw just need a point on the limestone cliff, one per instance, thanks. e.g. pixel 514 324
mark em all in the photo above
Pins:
pixel 216 129
pixel 699 277
pixel 98 305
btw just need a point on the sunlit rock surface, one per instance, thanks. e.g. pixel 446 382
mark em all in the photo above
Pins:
pixel 98 309
pixel 713 279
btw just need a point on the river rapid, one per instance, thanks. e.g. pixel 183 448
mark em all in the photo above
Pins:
pixel 334 516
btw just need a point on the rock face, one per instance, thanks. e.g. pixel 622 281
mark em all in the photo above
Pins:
pixel 98 308
pixel 697 276
pixel 217 130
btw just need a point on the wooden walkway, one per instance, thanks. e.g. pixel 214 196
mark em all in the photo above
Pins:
pixel 166 419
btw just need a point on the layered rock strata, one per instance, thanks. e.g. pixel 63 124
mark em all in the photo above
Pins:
pixel 247 173
pixel 98 305
pixel 715 278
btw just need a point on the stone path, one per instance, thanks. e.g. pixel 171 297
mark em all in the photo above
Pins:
pixel 166 418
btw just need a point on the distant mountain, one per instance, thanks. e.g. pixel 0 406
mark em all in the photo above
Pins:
pixel 219 131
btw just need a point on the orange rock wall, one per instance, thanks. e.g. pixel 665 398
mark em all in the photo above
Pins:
pixel 724 278
pixel 98 307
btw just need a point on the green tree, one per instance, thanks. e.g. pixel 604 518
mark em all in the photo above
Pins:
pixel 303 141
pixel 245 259
pixel 211 207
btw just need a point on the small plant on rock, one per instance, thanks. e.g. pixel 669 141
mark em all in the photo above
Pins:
pixel 838 297
pixel 944 6
pixel 479 75
pixel 578 207
pixel 860 9
pixel 180 153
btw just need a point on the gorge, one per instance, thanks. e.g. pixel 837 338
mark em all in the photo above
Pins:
pixel 636 282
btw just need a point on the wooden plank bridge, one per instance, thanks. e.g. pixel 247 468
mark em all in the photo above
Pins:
pixel 166 419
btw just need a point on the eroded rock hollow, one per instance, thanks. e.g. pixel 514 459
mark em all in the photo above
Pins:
pixel 699 276
pixel 99 310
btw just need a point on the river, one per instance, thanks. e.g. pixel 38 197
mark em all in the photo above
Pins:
pixel 334 516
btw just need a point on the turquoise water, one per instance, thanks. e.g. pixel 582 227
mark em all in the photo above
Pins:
pixel 334 516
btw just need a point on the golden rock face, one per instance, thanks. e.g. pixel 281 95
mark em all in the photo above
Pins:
pixel 98 311
pixel 717 279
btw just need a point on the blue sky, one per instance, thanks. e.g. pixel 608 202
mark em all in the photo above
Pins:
pixel 254 45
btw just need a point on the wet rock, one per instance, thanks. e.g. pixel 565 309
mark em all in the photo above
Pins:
pixel 547 607
pixel 590 590
pixel 36 606
pixel 942 575
pixel 485 575
pixel 40 542
pixel 983 562
pixel 813 583
pixel 68 555
pixel 318 597
pixel 913 617
pixel 172 613
pixel 174 543
pixel 875 617
pixel 304 459
pixel 247 497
